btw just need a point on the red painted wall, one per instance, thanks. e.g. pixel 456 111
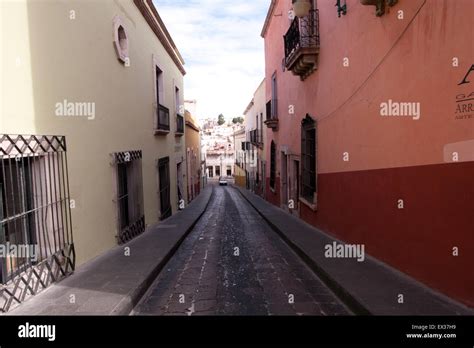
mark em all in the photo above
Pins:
pixel 273 196
pixel 361 207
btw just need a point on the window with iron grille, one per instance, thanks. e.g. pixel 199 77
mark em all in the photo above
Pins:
pixel 272 165
pixel 34 202
pixel 308 159
pixel 131 217
pixel 123 196
pixel 165 188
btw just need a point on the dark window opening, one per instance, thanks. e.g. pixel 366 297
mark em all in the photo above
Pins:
pixel 272 165
pixel 123 196
pixel 130 206
pixel 308 159
pixel 165 188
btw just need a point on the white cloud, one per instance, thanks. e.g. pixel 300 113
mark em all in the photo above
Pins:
pixel 221 45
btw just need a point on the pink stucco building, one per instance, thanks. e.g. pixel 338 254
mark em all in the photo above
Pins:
pixel 370 133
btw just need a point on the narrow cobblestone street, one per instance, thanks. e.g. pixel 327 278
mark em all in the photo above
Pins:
pixel 232 263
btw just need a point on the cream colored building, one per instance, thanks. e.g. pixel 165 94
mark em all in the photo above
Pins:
pixel 193 157
pixel 255 116
pixel 108 77
pixel 240 158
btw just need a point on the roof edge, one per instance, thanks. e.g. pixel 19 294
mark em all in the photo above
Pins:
pixel 150 13
pixel 268 18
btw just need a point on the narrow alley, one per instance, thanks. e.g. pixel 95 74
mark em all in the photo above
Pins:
pixel 232 263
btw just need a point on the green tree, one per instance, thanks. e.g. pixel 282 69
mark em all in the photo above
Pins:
pixel 221 120
pixel 236 120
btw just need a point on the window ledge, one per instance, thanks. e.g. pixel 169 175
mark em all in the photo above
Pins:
pixel 161 132
pixel 312 206
pixel 178 134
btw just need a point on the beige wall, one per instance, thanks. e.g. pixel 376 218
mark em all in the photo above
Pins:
pixel 257 107
pixel 239 172
pixel 193 149
pixel 48 57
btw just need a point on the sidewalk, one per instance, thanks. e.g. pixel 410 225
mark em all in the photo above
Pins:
pixel 112 284
pixel 368 287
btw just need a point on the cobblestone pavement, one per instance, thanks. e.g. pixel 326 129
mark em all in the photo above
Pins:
pixel 232 263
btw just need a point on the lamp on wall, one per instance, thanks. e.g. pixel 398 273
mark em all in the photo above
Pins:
pixel 341 7
pixel 301 7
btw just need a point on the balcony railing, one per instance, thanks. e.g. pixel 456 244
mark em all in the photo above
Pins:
pixel 302 45
pixel 256 137
pixel 162 120
pixel 246 146
pixel 179 125
pixel 272 115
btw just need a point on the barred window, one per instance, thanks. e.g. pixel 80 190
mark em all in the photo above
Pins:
pixel 130 210
pixel 308 158
pixel 34 201
pixel 165 188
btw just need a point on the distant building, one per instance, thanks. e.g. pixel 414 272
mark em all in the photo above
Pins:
pixel 240 173
pixel 193 156
pixel 255 115
pixel 219 147
pixel 192 107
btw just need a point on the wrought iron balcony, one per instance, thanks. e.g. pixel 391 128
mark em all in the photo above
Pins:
pixel 272 115
pixel 302 45
pixel 162 126
pixel 256 137
pixel 246 146
pixel 179 125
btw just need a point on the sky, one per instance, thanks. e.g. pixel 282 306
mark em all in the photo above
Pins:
pixel 222 48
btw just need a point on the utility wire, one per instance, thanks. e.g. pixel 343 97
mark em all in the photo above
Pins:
pixel 377 67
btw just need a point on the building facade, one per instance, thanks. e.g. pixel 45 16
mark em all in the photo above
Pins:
pixel 240 173
pixel 107 79
pixel 370 129
pixel 219 146
pixel 193 156
pixel 255 115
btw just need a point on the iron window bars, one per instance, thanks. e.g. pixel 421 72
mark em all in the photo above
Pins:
pixel 34 215
pixel 256 137
pixel 165 188
pixel 130 209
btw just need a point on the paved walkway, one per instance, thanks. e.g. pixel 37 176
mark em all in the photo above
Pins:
pixel 368 287
pixel 113 283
